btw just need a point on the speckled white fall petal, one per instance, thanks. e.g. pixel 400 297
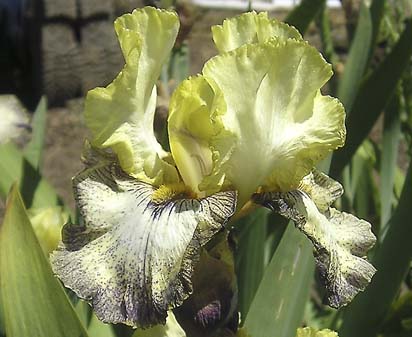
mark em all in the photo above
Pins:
pixel 341 241
pixel 133 258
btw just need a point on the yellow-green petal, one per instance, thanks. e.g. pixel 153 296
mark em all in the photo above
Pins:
pixel 47 223
pixel 120 116
pixel 250 28
pixel 194 119
pixel 132 258
pixel 311 332
pixel 270 123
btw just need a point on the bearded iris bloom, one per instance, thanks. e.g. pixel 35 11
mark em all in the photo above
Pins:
pixel 251 126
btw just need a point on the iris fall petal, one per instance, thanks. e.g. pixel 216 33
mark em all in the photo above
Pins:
pixel 341 241
pixel 132 258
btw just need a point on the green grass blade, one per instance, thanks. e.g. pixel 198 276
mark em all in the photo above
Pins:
pixel 2 327
pixel 37 192
pixel 278 306
pixel 276 228
pixel 326 35
pixel 362 185
pixel 11 167
pixel 121 330
pixel 179 64
pixel 377 9
pixel 363 200
pixel 303 14
pixel 372 98
pixel 250 257
pixel 83 309
pixel 398 183
pixel 357 59
pixel 34 302
pixel 392 260
pixel 97 328
pixel 34 149
pixel 390 142
pixel 328 49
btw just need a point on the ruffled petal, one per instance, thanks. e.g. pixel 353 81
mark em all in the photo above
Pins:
pixel 120 116
pixel 341 242
pixel 269 124
pixel 250 27
pixel 322 189
pixel 195 119
pixel 132 258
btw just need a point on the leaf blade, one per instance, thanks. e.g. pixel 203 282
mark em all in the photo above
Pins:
pixel 302 15
pixel 372 98
pixel 357 59
pixel 390 142
pixel 282 294
pixel 251 256
pixel 34 149
pixel 34 302
pixel 391 260
pixel 14 167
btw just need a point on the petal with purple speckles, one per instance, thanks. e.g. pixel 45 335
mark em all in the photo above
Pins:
pixel 132 258
pixel 341 240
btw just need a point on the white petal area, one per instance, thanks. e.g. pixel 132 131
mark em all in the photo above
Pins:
pixel 14 118
pixel 132 259
pixel 341 242
pixel 250 27
pixel 281 125
pixel 120 116
pixel 195 119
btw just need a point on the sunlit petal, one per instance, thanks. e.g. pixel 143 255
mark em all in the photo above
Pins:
pixel 133 258
pixel 250 28
pixel 268 123
pixel 120 116
pixel 311 332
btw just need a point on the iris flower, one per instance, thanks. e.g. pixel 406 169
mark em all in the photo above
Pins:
pixel 250 128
